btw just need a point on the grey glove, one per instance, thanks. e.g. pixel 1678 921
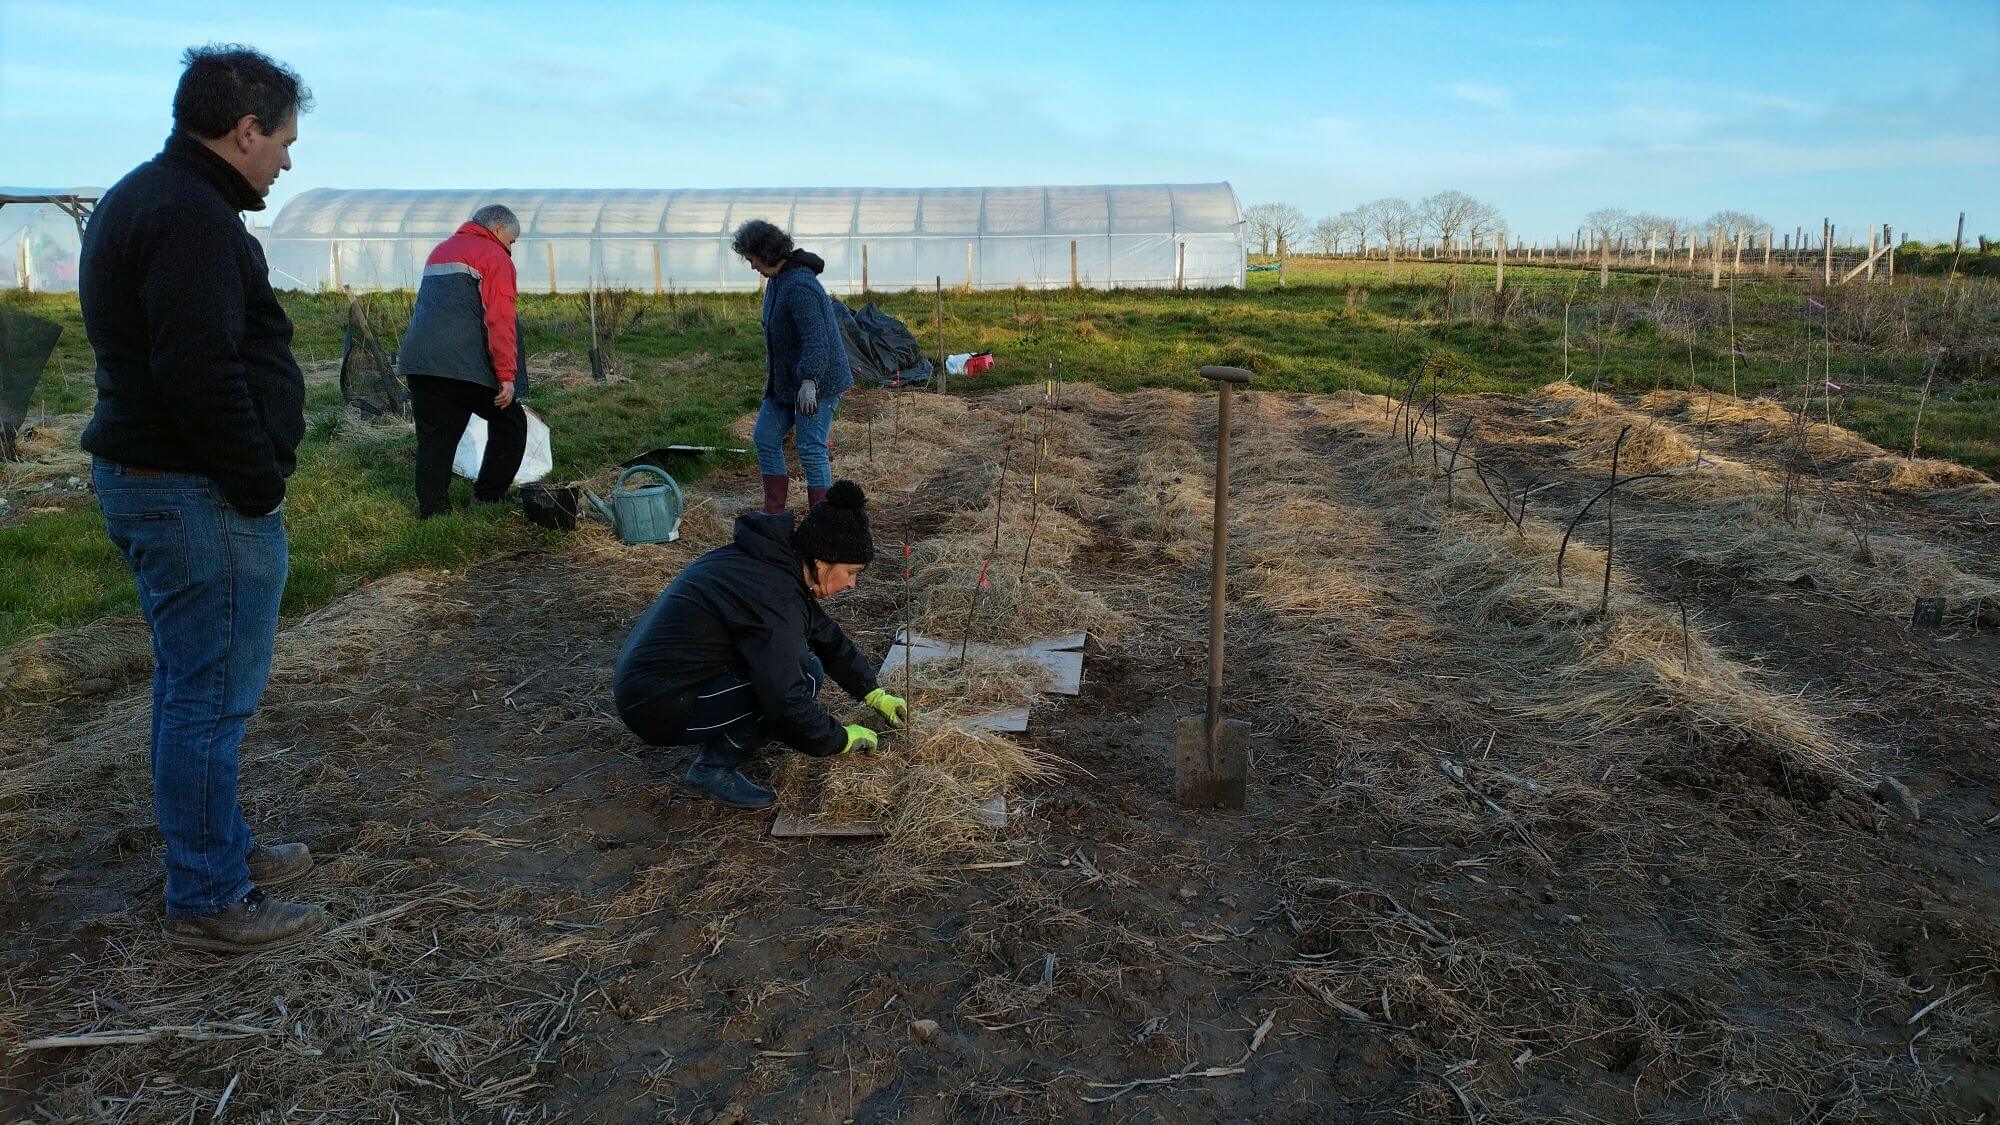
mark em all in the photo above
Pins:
pixel 808 400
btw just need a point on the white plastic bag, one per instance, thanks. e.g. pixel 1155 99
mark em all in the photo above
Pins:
pixel 536 463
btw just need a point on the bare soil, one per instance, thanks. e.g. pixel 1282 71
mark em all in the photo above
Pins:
pixel 1632 903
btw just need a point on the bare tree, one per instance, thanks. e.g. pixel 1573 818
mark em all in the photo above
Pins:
pixel 1393 220
pixel 1329 233
pixel 1270 222
pixel 1673 230
pixel 1733 223
pixel 1607 221
pixel 1447 214
pixel 1486 222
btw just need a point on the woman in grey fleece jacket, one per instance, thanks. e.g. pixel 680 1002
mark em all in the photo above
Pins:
pixel 806 367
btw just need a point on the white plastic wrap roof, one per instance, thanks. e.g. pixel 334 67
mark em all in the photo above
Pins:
pixel 1141 235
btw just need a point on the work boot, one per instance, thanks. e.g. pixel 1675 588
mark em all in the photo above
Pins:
pixel 256 924
pixel 279 864
pixel 814 497
pixel 728 785
pixel 774 494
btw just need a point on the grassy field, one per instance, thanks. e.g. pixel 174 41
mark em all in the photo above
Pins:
pixel 694 363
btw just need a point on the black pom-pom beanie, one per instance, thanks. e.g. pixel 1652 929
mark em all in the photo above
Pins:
pixel 836 530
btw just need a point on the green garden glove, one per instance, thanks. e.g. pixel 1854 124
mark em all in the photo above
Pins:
pixel 892 707
pixel 858 737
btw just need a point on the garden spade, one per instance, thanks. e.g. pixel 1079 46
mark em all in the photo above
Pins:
pixel 1211 752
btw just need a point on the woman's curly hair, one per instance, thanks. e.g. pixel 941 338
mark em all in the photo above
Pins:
pixel 761 241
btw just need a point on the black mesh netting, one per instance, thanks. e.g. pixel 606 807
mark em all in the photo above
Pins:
pixel 26 342
pixel 368 381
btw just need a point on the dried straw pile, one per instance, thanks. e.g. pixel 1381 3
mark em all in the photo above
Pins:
pixel 924 783
pixel 1905 474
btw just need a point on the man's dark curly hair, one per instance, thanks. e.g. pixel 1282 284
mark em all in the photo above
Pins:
pixel 763 242
pixel 224 81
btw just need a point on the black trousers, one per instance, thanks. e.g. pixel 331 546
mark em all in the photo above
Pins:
pixel 441 407
pixel 722 718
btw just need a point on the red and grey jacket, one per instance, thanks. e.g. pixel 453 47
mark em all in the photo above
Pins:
pixel 464 325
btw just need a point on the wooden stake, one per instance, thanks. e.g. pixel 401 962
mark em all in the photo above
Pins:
pixel 657 288
pixel 551 248
pixel 943 377
pixel 968 267
pixel 1736 263
pixel 1957 248
pixel 337 286
pixel 1073 283
pixel 1826 237
pixel 864 269
pixel 1715 263
pixel 1500 262
pixel 1180 267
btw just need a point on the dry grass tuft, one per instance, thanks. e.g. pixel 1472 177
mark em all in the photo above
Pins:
pixel 85 660
pixel 1921 474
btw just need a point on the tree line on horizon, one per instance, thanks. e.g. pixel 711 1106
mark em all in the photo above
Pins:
pixel 1456 222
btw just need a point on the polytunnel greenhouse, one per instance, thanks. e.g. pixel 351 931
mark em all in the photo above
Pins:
pixel 1119 236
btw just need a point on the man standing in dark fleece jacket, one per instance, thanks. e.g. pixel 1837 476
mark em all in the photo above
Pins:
pixel 200 408
pixel 737 648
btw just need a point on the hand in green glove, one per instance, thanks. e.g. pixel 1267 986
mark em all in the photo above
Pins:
pixel 858 737
pixel 893 707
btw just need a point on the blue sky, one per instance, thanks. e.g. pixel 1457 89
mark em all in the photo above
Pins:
pixel 1869 113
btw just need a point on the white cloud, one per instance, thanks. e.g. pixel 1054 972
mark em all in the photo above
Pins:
pixel 1493 97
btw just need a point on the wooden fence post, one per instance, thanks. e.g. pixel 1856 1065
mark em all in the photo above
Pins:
pixel 864 268
pixel 1736 263
pixel 1072 264
pixel 336 265
pixel 551 248
pixel 1770 236
pixel 657 288
pixel 1180 266
pixel 1604 261
pixel 1281 259
pixel 1715 258
pixel 1871 253
pixel 943 377
pixel 968 267
pixel 1889 237
pixel 1500 262
pixel 1826 237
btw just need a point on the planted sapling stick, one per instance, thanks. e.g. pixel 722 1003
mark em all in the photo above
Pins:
pixel 1035 499
pixel 979 588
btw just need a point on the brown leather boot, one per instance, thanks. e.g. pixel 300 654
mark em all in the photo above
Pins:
pixel 279 864
pixel 774 494
pixel 256 924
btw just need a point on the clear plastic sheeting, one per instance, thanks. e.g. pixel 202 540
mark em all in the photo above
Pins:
pixel 39 243
pixel 1122 236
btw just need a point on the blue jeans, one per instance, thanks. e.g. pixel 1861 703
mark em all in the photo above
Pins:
pixel 726 721
pixel 209 580
pixel 775 419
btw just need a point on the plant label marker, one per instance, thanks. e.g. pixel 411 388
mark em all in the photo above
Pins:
pixel 1929 614
pixel 1211 753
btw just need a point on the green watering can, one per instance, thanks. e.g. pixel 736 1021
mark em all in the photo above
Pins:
pixel 647 513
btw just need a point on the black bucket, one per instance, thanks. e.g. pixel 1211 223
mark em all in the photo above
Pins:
pixel 553 506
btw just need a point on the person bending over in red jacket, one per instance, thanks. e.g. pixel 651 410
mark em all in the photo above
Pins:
pixel 462 356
